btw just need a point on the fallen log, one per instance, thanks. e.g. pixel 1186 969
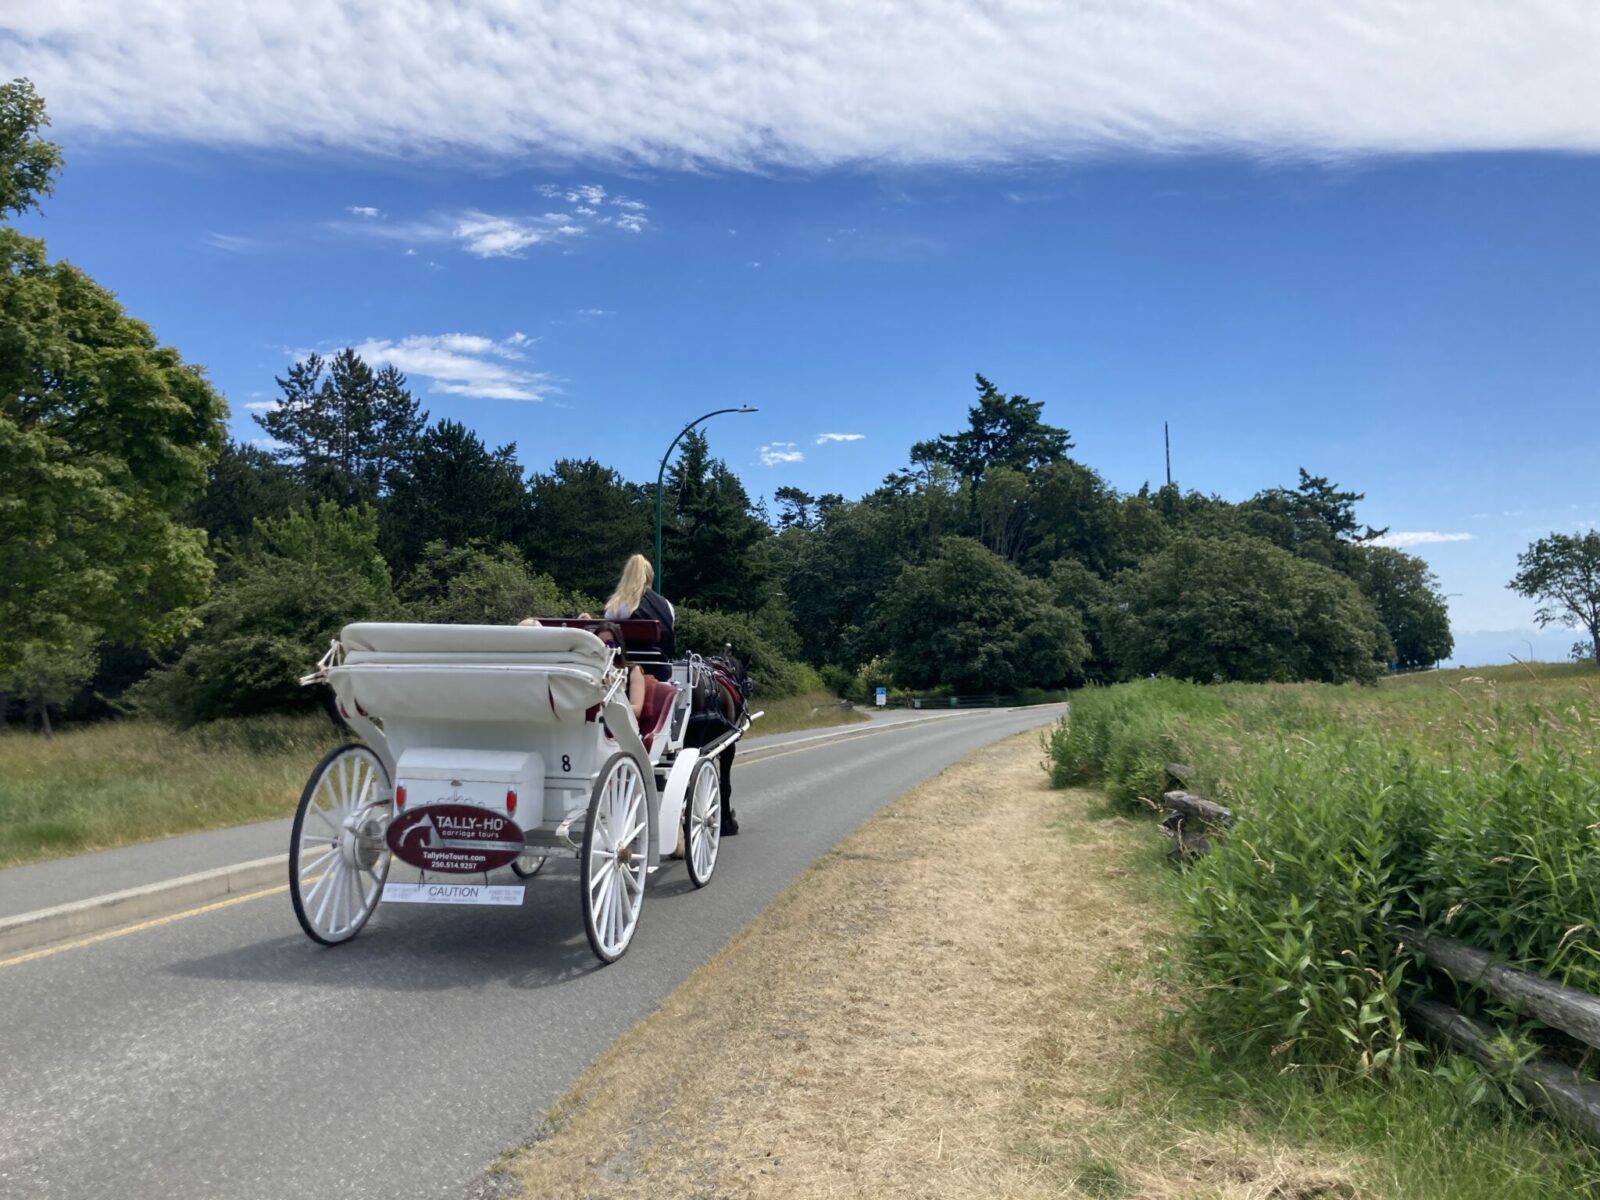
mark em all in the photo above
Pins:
pixel 1560 1091
pixel 1198 808
pixel 1561 1007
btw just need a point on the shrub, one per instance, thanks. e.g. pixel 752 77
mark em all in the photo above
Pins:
pixel 705 631
pixel 302 579
pixel 481 585
pixel 1360 810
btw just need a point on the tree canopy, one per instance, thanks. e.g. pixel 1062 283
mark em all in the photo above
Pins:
pixel 104 436
pixel 1002 431
pixel 1240 608
pixel 969 620
pixel 1562 572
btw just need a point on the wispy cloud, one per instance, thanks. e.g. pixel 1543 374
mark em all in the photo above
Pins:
pixel 1421 537
pixel 232 243
pixel 597 312
pixel 464 364
pixel 775 453
pixel 823 83
pixel 824 438
pixel 507 235
pixel 363 210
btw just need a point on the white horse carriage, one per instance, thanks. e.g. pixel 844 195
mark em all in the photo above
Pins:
pixel 486 746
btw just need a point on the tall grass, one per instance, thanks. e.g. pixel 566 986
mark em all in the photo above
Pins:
pixel 129 781
pixel 121 782
pixel 1470 805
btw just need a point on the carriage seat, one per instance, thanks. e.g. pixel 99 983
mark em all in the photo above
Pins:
pixel 659 700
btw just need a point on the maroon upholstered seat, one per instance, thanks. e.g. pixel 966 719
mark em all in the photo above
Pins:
pixel 658 699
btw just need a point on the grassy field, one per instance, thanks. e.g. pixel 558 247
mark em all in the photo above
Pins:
pixel 120 782
pixel 1463 801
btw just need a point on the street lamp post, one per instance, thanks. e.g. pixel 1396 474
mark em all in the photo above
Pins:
pixel 662 474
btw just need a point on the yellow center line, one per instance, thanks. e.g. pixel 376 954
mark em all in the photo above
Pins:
pixel 79 943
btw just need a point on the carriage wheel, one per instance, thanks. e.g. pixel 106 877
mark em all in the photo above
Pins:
pixel 702 822
pixel 616 850
pixel 529 865
pixel 338 859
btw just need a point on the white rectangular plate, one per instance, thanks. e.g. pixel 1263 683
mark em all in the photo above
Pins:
pixel 453 893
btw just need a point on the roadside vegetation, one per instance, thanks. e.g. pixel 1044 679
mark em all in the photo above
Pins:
pixel 1007 1040
pixel 1463 802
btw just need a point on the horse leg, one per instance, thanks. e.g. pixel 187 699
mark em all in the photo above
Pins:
pixel 730 823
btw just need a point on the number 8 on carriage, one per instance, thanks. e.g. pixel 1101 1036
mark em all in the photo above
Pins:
pixel 457 724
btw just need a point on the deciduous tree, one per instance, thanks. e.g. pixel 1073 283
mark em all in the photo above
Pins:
pixel 104 435
pixel 1407 598
pixel 969 620
pixel 1242 609
pixel 1562 572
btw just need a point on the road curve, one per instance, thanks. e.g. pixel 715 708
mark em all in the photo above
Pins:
pixel 225 1057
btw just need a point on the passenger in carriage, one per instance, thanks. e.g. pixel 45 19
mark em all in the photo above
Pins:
pixel 634 597
pixel 611 636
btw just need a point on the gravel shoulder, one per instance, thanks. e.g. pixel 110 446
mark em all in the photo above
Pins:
pixel 957 1001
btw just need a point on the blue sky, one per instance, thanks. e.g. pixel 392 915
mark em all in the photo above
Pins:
pixel 1408 305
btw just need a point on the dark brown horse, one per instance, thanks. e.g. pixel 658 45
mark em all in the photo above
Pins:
pixel 719 703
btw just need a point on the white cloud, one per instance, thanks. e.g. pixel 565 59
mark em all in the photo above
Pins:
pixel 464 364
pixel 839 437
pixel 597 312
pixel 261 405
pixel 830 81
pixel 780 452
pixel 362 210
pixel 500 235
pixel 231 243
pixel 1423 537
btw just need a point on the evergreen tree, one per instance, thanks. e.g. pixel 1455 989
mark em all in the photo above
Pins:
pixel 348 431
pixel 706 557
pixel 244 485
pixel 586 521
pixel 1002 431
pixel 457 490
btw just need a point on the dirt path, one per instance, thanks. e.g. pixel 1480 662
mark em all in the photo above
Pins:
pixel 955 1002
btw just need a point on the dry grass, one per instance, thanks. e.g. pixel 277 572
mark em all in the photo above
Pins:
pixel 812 710
pixel 955 1002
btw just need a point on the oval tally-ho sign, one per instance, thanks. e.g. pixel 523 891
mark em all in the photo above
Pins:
pixel 454 837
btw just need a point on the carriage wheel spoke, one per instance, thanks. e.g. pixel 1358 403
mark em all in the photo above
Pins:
pixel 309 870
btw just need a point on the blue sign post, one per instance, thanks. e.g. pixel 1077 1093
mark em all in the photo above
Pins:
pixel 882 697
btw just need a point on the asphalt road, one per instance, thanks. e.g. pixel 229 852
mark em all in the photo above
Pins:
pixel 225 1056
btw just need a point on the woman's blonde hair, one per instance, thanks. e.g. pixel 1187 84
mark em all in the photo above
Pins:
pixel 637 575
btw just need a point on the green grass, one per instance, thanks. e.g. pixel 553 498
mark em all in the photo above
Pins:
pixel 812 710
pixel 1467 801
pixel 121 782
pixel 1439 1135
pixel 1471 806
pixel 130 781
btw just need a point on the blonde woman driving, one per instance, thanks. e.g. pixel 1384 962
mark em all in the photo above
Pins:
pixel 633 597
